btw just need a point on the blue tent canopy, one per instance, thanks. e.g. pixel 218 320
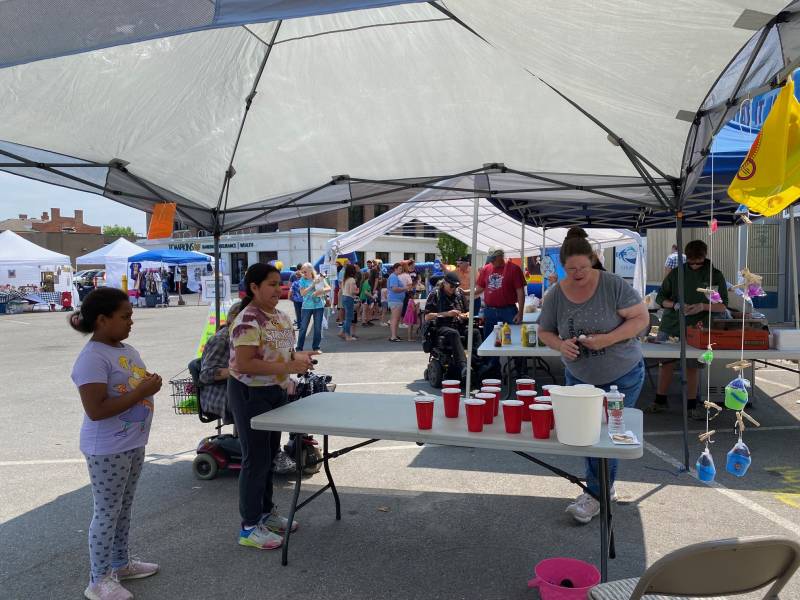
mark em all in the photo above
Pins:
pixel 170 257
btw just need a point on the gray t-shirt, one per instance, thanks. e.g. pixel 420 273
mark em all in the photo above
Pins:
pixel 596 315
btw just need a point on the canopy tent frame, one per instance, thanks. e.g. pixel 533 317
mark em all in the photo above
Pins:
pixel 681 207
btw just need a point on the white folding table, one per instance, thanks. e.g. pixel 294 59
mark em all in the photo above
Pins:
pixel 654 351
pixel 393 417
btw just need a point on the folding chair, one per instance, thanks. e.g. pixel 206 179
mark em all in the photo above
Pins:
pixel 731 566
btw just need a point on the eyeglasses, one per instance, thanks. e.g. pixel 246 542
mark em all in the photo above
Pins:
pixel 574 270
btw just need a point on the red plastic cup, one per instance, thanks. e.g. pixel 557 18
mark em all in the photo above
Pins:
pixel 452 398
pixel 496 391
pixel 491 383
pixel 527 397
pixel 451 383
pixel 488 414
pixel 474 409
pixel 548 401
pixel 541 415
pixel 512 415
pixel 546 388
pixel 525 384
pixel 424 411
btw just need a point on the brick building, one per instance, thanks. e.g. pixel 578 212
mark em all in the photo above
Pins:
pixel 67 235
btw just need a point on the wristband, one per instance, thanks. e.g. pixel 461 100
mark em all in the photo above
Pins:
pixel 676 306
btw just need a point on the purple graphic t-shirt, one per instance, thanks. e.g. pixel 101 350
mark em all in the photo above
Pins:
pixel 121 369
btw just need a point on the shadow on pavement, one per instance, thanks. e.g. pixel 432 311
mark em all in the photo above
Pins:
pixel 389 543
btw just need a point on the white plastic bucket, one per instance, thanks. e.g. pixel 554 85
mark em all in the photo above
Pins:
pixel 577 411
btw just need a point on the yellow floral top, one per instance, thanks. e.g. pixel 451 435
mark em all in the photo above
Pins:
pixel 271 333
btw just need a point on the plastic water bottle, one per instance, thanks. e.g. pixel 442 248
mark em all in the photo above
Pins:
pixel 615 399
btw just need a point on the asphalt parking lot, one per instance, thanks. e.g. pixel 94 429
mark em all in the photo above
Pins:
pixel 418 522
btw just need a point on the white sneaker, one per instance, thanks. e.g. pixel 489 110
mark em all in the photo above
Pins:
pixel 584 509
pixel 276 523
pixel 108 588
pixel 403 326
pixel 259 537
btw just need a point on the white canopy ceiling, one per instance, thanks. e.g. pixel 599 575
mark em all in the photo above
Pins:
pixel 393 94
pixel 15 250
pixel 120 248
pixel 455 217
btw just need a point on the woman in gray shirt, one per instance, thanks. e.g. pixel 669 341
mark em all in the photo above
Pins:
pixel 593 318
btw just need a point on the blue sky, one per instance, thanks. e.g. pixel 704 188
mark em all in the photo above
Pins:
pixel 24 196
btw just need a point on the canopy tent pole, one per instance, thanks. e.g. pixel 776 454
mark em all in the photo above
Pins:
pixel 795 297
pixel 308 236
pixel 541 261
pixel 522 246
pixel 682 328
pixel 470 298
pixel 217 267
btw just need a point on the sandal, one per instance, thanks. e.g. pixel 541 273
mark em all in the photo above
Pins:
pixel 395 340
pixel 654 409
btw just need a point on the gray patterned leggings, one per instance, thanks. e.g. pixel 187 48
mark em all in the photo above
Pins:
pixel 114 478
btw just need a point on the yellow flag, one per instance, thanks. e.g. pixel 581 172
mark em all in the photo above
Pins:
pixel 769 178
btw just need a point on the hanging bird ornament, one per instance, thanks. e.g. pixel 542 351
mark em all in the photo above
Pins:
pixel 706 471
pixel 749 285
pixel 707 357
pixel 736 395
pixel 712 294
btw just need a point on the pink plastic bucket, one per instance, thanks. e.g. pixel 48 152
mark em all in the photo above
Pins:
pixel 551 573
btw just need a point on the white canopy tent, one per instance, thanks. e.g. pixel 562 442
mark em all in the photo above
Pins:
pixel 22 262
pixel 496 229
pixel 115 258
pixel 120 248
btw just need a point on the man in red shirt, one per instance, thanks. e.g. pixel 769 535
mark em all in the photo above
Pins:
pixel 503 287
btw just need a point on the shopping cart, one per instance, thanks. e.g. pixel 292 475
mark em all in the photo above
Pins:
pixel 184 396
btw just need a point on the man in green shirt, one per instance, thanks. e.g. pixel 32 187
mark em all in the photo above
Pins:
pixel 697 272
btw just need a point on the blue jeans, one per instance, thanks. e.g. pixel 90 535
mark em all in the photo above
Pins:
pixel 349 305
pixel 298 311
pixel 491 317
pixel 629 384
pixel 304 321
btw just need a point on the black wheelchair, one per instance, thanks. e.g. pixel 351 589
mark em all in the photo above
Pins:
pixel 441 354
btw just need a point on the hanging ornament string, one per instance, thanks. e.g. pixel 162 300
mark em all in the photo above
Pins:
pixel 711 288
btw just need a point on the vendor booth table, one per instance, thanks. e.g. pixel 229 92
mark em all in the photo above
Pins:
pixel 651 351
pixel 392 417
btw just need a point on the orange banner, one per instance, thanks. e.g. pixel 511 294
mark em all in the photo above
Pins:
pixel 162 221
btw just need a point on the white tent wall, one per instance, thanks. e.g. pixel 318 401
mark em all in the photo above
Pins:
pixel 495 230
pixel 22 262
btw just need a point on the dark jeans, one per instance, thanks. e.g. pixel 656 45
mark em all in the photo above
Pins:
pixel 258 447
pixel 452 337
pixel 349 305
pixel 491 317
pixel 304 322
pixel 629 384
pixel 298 311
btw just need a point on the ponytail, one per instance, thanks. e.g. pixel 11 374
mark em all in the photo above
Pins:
pixel 256 274
pixel 102 301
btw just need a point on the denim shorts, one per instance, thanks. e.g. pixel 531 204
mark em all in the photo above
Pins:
pixel 393 305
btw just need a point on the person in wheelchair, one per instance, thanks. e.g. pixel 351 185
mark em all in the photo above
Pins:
pixel 446 322
pixel 212 375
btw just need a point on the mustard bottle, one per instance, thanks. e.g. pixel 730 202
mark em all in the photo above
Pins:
pixel 506 334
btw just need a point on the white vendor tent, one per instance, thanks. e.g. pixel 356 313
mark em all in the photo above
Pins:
pixel 115 258
pixel 120 248
pixel 496 229
pixel 22 262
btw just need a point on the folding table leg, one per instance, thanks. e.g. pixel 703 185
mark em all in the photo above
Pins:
pixel 606 529
pixel 298 460
pixel 332 485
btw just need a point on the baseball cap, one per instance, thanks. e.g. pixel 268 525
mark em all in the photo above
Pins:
pixel 466 259
pixel 452 279
pixel 495 253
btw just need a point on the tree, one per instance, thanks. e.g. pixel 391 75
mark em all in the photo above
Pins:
pixel 450 248
pixel 119 231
